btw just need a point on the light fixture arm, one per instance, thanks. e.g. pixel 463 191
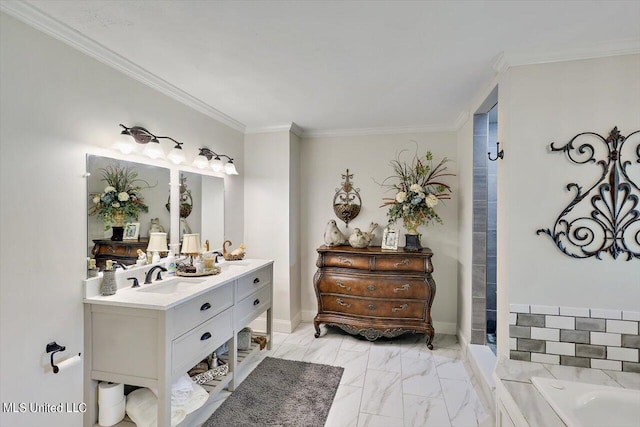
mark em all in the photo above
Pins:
pixel 144 136
pixel 209 154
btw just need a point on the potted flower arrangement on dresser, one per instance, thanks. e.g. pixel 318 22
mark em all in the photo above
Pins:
pixel 418 189
pixel 121 199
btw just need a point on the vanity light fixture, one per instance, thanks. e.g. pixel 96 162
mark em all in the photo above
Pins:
pixel 216 162
pixel 152 142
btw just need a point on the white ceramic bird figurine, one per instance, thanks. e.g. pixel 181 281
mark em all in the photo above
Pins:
pixel 358 239
pixel 332 235
pixel 369 234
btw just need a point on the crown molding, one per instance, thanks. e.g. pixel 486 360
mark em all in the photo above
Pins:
pixel 596 50
pixel 56 29
pixel 461 120
pixel 291 127
pixel 332 133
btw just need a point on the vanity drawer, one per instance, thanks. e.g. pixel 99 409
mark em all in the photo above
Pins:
pixel 252 306
pixel 374 285
pixel 369 307
pixel 194 346
pixel 192 313
pixel 252 282
pixel 359 262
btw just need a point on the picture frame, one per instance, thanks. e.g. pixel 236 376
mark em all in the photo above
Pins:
pixel 131 231
pixel 390 239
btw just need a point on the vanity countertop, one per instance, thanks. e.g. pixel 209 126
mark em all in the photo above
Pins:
pixel 515 377
pixel 190 287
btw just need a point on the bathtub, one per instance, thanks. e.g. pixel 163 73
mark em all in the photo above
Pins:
pixel 581 404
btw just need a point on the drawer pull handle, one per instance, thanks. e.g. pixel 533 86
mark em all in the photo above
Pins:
pixel 256 280
pixel 404 287
pixel 402 307
pixel 401 263
pixel 371 287
pixel 256 302
pixel 342 285
pixel 371 307
pixel 342 303
pixel 205 336
pixel 345 260
pixel 206 306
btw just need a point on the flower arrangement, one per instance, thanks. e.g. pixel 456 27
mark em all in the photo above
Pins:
pixel 418 191
pixel 122 197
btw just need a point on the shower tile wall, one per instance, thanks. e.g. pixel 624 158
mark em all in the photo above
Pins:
pixel 574 336
pixel 492 199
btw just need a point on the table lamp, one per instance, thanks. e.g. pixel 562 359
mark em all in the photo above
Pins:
pixel 157 244
pixel 191 247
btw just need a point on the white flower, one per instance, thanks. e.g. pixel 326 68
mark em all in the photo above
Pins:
pixel 115 204
pixel 401 197
pixel 431 200
pixel 109 189
pixel 123 197
pixel 415 188
pixel 96 199
pixel 405 207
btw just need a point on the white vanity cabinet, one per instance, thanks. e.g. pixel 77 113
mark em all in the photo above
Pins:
pixel 151 345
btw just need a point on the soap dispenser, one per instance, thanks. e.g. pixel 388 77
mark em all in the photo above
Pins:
pixel 170 263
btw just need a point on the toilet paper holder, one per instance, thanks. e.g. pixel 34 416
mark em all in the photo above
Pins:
pixel 54 348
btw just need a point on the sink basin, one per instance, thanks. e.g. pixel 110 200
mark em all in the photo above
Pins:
pixel 583 405
pixel 170 287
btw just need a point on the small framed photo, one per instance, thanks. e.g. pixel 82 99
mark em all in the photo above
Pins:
pixel 390 239
pixel 131 231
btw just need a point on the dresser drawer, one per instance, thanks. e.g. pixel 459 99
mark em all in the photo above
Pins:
pixel 195 345
pixel 190 314
pixel 252 306
pixel 400 263
pixel 359 262
pixel 370 307
pixel 374 285
pixel 254 281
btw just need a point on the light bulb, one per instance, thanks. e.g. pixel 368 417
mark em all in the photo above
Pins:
pixel 216 164
pixel 176 156
pixel 125 143
pixel 230 168
pixel 201 162
pixel 153 150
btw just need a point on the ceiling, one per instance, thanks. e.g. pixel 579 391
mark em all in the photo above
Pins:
pixel 338 65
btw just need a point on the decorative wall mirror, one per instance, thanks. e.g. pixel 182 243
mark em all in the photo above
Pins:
pixel 135 190
pixel 202 207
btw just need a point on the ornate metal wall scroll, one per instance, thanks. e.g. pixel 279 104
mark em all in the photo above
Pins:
pixel 606 217
pixel 347 201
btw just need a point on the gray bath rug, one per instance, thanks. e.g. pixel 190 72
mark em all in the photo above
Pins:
pixel 280 393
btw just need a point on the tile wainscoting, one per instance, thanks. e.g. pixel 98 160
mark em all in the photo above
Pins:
pixel 573 336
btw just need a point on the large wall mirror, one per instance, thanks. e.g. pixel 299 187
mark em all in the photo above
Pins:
pixel 202 207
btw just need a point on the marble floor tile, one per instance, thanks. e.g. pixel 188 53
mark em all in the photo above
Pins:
pixel 420 378
pixel 382 394
pixel 384 358
pixel 370 420
pixel 451 368
pixel 463 405
pixel 322 352
pixel 290 351
pixel 355 366
pixel 353 343
pixel 416 350
pixel 445 341
pixel 345 408
pixel 278 338
pixel 422 411
pixel 303 335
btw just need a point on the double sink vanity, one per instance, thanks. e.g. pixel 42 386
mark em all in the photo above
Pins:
pixel 151 335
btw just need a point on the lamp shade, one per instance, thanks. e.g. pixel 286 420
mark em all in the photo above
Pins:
pixel 201 162
pixel 157 242
pixel 191 244
pixel 176 155
pixel 230 168
pixel 216 164
pixel 154 150
pixel 125 143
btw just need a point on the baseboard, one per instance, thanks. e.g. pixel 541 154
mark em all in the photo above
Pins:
pixel 279 325
pixel 308 315
pixel 464 344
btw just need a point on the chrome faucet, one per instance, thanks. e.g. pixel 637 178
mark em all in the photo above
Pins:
pixel 147 277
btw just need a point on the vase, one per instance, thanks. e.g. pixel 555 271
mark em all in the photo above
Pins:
pixel 108 285
pixel 412 242
pixel 118 226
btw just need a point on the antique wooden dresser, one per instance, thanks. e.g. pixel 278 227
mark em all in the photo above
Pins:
pixel 373 292
pixel 124 251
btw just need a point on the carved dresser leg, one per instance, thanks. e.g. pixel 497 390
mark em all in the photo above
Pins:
pixel 429 340
pixel 316 325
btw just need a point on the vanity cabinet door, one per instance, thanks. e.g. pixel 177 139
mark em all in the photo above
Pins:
pixel 254 281
pixel 252 306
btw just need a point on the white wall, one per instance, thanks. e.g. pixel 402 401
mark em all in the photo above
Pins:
pixel 270 217
pixel 539 104
pixel 324 160
pixel 56 105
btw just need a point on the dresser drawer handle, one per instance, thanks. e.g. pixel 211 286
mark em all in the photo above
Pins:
pixel 371 307
pixel 256 281
pixel 404 287
pixel 371 287
pixel 345 260
pixel 401 263
pixel 402 307
pixel 342 285
pixel 342 303
pixel 206 306
pixel 205 336
pixel 256 302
